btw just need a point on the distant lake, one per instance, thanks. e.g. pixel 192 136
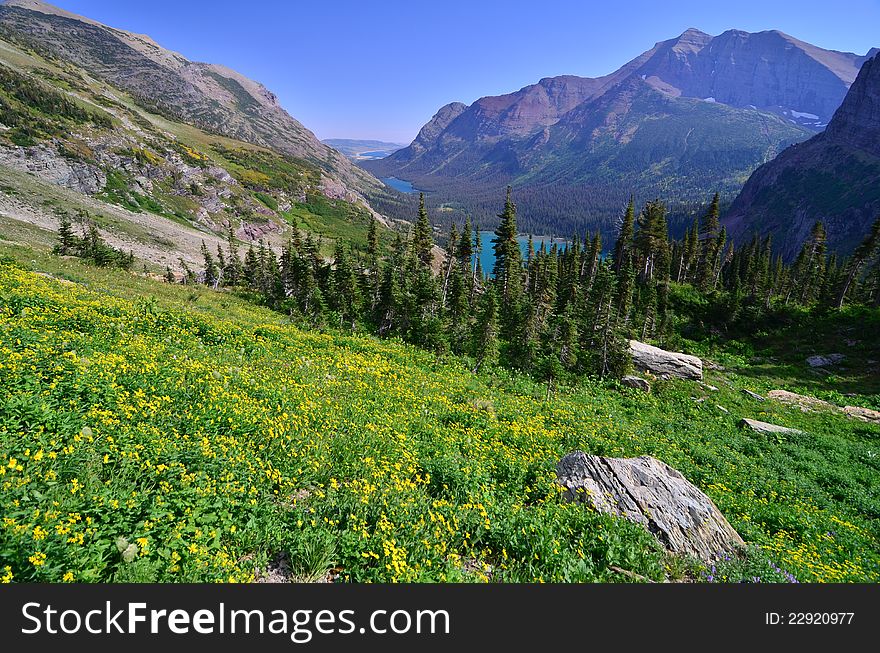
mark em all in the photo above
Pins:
pixel 377 154
pixel 487 257
pixel 399 184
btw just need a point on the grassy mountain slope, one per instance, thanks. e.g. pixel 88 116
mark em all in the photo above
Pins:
pixel 209 96
pixel 157 186
pixel 212 436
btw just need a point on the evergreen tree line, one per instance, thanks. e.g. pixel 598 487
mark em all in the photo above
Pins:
pixel 89 245
pixel 553 312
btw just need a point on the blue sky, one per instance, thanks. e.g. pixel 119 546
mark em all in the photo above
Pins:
pixel 371 69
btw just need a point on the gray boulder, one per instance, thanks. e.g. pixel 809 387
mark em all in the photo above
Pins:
pixel 651 493
pixel 636 382
pixel 825 361
pixel 665 364
pixel 765 427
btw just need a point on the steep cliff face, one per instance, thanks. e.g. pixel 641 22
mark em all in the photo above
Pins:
pixel 209 96
pixel 833 177
pixel 690 116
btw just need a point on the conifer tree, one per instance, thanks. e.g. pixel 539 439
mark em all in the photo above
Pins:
pixel 508 256
pixel 625 235
pixel 809 266
pixel 344 298
pixel 449 262
pixel 593 259
pixel 508 274
pixel 465 252
pixel 232 274
pixel 459 309
pixel 602 342
pixel 484 339
pixel 392 301
pixel 867 250
pixel 67 240
pixel 374 272
pixel 423 242
pixel 210 279
pixel 251 268
pixel 709 239
pixel 652 242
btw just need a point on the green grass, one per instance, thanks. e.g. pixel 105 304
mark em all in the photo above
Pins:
pixel 214 436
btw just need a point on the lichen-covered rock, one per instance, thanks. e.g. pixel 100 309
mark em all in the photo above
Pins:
pixel 665 364
pixel 649 492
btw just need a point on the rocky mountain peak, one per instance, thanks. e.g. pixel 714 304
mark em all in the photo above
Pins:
pixel 438 123
pixel 691 40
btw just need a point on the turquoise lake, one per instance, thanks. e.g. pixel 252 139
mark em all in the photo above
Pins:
pixel 399 184
pixel 487 256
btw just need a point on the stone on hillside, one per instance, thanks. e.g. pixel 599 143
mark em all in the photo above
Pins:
pixel 803 402
pixel 753 395
pixel 825 361
pixel 651 493
pixel 636 382
pixel 665 364
pixel 864 414
pixel 764 427
pixel 722 408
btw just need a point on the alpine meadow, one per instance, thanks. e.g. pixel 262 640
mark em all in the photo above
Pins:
pixel 229 353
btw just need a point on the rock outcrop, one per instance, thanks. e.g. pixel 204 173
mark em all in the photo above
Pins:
pixel 649 492
pixel 864 414
pixel 766 428
pixel 665 364
pixel 48 164
pixel 803 402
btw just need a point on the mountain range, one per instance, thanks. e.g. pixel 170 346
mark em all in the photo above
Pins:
pixel 834 178
pixel 693 115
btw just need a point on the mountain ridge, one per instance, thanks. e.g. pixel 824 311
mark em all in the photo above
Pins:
pixel 211 96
